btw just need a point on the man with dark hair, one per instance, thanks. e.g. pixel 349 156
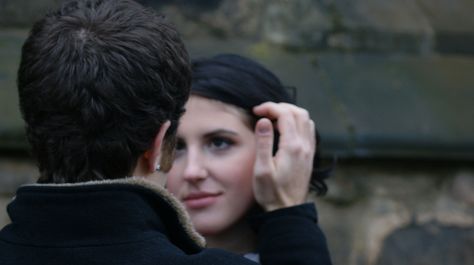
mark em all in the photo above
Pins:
pixel 102 85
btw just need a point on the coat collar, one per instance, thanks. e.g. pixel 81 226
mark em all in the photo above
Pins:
pixel 119 209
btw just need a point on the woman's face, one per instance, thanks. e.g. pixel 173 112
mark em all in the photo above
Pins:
pixel 213 166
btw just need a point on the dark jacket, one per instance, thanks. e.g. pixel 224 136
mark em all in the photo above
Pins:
pixel 291 236
pixel 126 221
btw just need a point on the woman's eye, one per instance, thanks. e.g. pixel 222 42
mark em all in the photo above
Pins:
pixel 180 145
pixel 220 143
pixel 179 148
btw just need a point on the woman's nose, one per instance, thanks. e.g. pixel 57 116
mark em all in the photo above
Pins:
pixel 195 169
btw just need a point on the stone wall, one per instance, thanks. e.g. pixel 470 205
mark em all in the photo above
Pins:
pixel 15 170
pixel 400 212
pixel 414 26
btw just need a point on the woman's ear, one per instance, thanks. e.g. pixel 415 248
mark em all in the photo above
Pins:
pixel 154 154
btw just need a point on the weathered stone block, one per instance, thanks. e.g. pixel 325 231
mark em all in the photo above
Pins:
pixel 452 23
pixel 219 19
pixel 22 13
pixel 11 124
pixel 380 26
pixel 422 245
pixel 299 24
pixel 448 15
pixel 15 172
pixel 397 195
pixel 463 188
pixel 407 98
pixel 4 201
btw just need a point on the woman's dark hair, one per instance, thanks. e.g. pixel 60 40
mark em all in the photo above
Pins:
pixel 97 79
pixel 244 83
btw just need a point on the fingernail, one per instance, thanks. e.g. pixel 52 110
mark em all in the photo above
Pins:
pixel 263 129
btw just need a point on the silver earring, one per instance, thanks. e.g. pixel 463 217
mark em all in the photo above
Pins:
pixel 157 167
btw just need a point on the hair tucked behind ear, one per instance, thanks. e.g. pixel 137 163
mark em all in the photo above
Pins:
pixel 244 83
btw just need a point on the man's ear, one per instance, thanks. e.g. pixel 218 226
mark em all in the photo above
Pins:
pixel 154 154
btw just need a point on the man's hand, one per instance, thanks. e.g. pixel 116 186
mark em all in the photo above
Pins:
pixel 282 180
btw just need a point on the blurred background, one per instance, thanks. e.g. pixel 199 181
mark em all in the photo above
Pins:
pixel 389 83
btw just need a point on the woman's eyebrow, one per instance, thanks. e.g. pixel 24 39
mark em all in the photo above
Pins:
pixel 220 132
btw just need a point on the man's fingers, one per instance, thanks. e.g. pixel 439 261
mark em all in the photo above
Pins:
pixel 274 110
pixel 264 154
pixel 270 110
pixel 283 114
pixel 294 124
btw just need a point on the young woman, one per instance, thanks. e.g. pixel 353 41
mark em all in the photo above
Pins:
pixel 244 158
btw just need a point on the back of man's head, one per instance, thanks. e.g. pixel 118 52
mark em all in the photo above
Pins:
pixel 96 81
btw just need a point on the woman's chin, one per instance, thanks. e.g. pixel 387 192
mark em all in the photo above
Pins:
pixel 207 231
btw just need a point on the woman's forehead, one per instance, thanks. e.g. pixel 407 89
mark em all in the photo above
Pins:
pixel 200 110
pixel 198 104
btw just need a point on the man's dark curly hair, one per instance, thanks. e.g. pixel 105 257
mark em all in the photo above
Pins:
pixel 96 81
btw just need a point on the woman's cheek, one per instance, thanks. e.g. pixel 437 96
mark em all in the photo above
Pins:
pixel 174 177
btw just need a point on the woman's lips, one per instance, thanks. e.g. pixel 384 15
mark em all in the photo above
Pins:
pixel 200 200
